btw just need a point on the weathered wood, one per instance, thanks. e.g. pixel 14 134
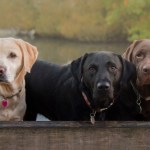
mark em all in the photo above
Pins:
pixel 74 136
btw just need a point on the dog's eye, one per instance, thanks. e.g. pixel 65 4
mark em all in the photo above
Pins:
pixel 12 55
pixel 113 68
pixel 139 55
pixel 92 69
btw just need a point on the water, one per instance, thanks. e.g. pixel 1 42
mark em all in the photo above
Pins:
pixel 62 51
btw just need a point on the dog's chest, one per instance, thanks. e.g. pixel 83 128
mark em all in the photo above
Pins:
pixel 7 108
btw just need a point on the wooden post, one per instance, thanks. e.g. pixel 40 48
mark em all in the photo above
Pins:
pixel 74 136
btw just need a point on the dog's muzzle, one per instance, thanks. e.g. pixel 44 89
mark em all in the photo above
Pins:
pixel 2 74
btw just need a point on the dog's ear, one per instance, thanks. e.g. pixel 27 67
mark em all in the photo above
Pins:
pixel 128 53
pixel 29 53
pixel 128 72
pixel 77 67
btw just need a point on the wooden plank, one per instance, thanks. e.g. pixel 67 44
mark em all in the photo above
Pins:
pixel 75 124
pixel 74 136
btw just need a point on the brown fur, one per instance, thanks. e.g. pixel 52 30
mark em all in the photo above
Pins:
pixel 139 54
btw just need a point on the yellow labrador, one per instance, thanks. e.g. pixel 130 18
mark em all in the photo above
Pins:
pixel 16 58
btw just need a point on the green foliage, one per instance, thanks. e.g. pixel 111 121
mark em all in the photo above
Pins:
pixel 87 20
pixel 131 20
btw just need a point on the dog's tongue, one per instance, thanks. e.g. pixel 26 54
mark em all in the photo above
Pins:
pixel 4 103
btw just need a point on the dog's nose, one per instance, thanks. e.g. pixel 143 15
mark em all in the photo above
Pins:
pixel 2 70
pixel 146 69
pixel 103 85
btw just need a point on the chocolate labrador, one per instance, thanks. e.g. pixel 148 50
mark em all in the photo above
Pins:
pixel 139 54
pixel 80 90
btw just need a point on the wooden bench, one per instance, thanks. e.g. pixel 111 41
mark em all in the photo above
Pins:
pixel 74 136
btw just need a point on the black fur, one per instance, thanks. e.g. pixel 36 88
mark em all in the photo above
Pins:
pixel 55 91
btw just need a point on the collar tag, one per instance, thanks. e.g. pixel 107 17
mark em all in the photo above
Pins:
pixel 92 117
pixel 4 100
pixel 4 103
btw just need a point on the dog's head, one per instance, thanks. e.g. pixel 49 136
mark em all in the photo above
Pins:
pixel 139 54
pixel 102 74
pixel 16 58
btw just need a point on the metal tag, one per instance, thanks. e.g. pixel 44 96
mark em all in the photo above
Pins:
pixel 92 118
pixel 4 103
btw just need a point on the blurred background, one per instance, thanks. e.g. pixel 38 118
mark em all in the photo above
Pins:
pixel 63 30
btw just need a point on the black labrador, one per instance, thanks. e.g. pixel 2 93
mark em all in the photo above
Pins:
pixel 80 90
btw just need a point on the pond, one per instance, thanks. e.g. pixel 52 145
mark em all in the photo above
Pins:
pixel 62 51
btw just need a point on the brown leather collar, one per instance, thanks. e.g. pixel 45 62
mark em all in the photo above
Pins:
pixel 9 97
